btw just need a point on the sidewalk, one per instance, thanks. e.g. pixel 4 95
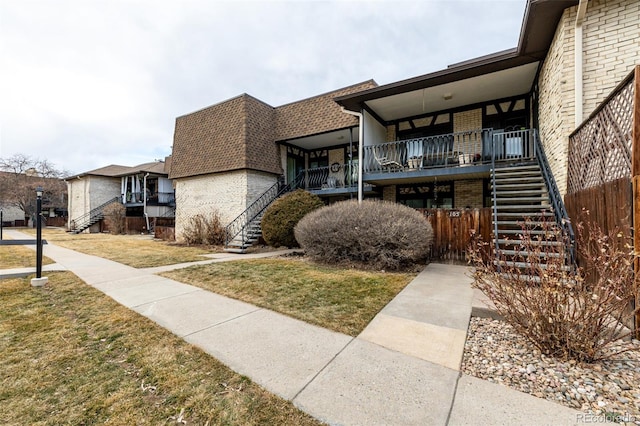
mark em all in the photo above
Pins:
pixel 403 369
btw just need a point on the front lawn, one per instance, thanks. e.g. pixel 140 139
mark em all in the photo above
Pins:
pixel 343 300
pixel 138 251
pixel 70 355
pixel 19 257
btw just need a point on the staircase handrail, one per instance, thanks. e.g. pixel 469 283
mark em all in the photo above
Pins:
pixel 559 209
pixel 94 213
pixel 493 190
pixel 239 224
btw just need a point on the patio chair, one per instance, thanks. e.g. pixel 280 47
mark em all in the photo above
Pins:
pixel 386 163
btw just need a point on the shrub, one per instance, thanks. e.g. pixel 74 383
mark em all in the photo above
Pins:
pixel 284 214
pixel 371 234
pixel 114 216
pixel 204 229
pixel 565 313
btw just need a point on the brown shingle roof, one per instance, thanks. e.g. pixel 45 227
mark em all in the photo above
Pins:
pixel 317 114
pixel 240 133
pixel 114 170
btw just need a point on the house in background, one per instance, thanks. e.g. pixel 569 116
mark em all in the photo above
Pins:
pixel 490 134
pixel 18 199
pixel 144 190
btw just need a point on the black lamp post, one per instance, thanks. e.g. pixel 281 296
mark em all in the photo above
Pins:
pixel 39 232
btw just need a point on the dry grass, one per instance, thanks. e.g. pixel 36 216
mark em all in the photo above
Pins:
pixel 19 257
pixel 70 355
pixel 138 251
pixel 343 300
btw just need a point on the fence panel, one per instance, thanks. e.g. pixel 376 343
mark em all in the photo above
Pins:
pixel 453 229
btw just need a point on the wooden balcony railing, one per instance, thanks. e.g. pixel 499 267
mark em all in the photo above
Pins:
pixel 449 150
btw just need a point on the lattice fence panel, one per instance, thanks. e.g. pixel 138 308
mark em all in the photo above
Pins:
pixel 600 150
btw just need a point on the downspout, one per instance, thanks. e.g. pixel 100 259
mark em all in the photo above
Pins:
pixel 360 149
pixel 144 201
pixel 577 44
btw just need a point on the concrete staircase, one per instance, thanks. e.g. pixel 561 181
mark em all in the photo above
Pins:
pixel 522 203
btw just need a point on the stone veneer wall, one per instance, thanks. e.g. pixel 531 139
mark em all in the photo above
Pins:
pixel 611 47
pixel 229 193
pixel 467 193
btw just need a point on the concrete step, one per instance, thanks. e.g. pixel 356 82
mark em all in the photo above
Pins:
pixel 521 215
pixel 530 179
pixel 532 209
pixel 235 250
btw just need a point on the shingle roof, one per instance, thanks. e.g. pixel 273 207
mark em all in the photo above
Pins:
pixel 240 133
pixel 317 114
pixel 114 170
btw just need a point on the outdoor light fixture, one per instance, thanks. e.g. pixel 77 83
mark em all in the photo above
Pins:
pixel 447 96
pixel 39 280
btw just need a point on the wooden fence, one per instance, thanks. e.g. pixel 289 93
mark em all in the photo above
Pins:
pixel 608 205
pixel 604 166
pixel 453 229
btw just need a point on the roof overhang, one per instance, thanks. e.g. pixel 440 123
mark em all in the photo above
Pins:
pixel 499 75
pixel 326 140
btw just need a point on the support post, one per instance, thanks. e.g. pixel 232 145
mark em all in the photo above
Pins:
pixel 635 177
pixel 1 221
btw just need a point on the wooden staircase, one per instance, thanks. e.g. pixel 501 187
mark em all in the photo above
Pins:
pixel 523 208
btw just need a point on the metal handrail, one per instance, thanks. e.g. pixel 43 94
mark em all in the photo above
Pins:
pixel 446 150
pixel 95 213
pixel 330 177
pixel 559 210
pixel 239 225
pixel 495 199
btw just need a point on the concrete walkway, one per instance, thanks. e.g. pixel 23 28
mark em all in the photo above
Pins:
pixel 403 369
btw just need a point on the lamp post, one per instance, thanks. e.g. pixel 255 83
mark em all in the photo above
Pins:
pixel 39 232
pixel 39 281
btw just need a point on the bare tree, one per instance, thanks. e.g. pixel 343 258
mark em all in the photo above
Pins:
pixel 21 174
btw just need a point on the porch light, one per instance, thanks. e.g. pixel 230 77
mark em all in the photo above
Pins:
pixel 447 96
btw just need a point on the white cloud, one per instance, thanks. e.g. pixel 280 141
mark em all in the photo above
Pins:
pixel 89 83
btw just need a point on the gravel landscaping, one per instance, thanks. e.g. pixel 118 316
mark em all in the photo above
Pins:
pixel 611 387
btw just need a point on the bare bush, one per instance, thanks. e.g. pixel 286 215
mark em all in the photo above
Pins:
pixel 204 229
pixel 566 312
pixel 114 217
pixel 372 234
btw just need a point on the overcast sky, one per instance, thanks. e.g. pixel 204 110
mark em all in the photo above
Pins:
pixel 90 83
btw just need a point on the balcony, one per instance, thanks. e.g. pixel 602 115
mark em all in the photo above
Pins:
pixel 463 153
pixel 131 199
pixel 336 179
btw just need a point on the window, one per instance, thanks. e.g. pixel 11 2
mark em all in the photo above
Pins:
pixel 432 195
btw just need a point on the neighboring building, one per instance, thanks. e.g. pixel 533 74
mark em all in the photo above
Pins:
pixel 18 192
pixel 433 141
pixel 144 190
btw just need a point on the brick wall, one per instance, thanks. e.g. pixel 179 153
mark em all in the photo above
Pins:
pixel 467 193
pixel 389 193
pixel 467 120
pixel 611 30
pixel 391 133
pixel 228 193
pixel 224 192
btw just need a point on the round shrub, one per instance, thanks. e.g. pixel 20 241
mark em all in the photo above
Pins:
pixel 282 216
pixel 372 234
